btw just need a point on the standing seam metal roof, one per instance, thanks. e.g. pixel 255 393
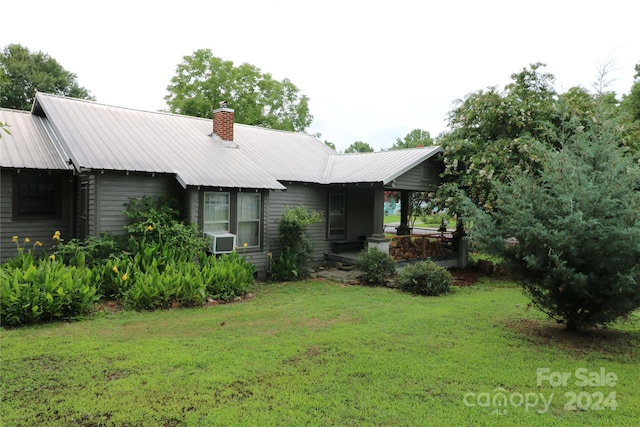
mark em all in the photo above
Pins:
pixel 29 145
pixel 379 167
pixel 104 137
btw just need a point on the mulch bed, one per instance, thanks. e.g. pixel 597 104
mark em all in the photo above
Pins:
pixel 465 276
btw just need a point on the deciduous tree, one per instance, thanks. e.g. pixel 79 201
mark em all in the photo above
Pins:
pixel 414 139
pixel 202 81
pixel 359 147
pixel 24 73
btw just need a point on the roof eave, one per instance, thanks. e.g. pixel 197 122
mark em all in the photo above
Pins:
pixel 412 165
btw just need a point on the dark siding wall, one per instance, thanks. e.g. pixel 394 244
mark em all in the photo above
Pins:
pixel 41 230
pixel 359 213
pixel 112 190
pixel 311 196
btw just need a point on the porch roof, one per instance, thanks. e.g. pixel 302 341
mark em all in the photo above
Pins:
pixel 377 167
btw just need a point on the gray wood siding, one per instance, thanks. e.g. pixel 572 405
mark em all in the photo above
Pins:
pixel 35 230
pixel 113 190
pixel 311 196
pixel 423 177
pixel 191 211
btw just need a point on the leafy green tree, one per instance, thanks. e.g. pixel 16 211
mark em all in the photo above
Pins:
pixel 493 133
pixel 573 226
pixel 24 73
pixel 414 139
pixel 630 106
pixel 631 101
pixel 202 81
pixel 330 144
pixel 359 147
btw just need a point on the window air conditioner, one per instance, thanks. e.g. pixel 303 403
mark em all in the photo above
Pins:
pixel 222 243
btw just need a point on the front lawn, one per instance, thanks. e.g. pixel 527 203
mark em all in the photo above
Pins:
pixel 321 353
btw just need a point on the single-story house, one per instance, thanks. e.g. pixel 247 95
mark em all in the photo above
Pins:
pixel 71 164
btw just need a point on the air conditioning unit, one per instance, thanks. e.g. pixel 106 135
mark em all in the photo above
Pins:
pixel 222 243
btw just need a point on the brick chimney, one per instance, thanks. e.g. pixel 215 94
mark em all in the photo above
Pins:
pixel 223 122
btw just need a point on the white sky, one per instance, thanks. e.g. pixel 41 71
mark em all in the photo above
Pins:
pixel 373 71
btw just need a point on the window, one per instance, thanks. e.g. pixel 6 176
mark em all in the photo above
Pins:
pixel 216 212
pixel 36 196
pixel 337 218
pixel 238 213
pixel 249 208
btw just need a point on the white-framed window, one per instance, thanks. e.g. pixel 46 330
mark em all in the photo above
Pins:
pixel 336 223
pixel 216 212
pixel 249 209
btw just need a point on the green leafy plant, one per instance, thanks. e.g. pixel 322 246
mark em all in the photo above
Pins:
pixel 158 220
pixel 425 278
pixel 285 266
pixel 95 249
pixel 227 276
pixel 295 243
pixel 162 263
pixel 45 289
pixel 376 266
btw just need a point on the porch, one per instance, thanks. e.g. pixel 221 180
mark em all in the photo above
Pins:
pixel 444 248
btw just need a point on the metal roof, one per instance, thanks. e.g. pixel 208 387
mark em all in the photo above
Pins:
pixel 30 144
pixel 99 136
pixel 288 156
pixel 104 137
pixel 379 167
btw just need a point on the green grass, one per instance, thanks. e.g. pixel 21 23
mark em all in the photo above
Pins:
pixel 314 353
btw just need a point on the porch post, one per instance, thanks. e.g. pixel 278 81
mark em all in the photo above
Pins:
pixel 377 239
pixel 404 228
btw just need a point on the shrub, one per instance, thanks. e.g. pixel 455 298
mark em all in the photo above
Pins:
pixel 96 249
pixel 158 221
pixel 376 266
pixel 295 243
pixel 425 278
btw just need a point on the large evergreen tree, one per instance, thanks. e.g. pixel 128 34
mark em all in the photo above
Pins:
pixel 24 73
pixel 573 225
